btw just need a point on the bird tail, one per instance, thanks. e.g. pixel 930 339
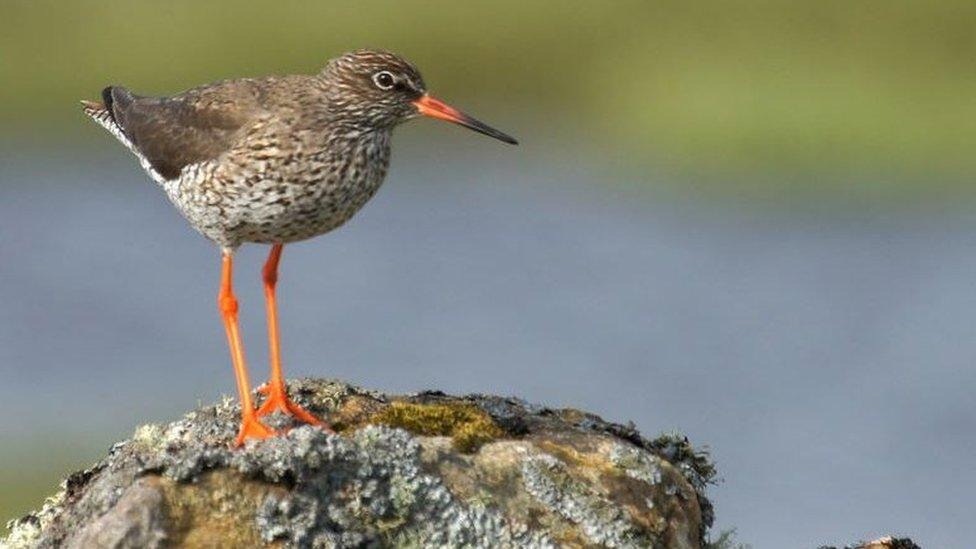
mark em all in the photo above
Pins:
pixel 106 111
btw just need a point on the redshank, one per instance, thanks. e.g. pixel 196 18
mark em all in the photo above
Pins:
pixel 273 160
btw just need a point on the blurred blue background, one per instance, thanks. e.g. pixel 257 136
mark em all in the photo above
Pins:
pixel 749 221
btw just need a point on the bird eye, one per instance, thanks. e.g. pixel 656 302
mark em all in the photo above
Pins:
pixel 384 80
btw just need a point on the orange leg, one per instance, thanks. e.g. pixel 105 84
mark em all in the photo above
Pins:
pixel 251 427
pixel 275 389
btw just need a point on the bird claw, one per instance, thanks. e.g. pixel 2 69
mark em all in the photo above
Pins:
pixel 251 427
pixel 278 401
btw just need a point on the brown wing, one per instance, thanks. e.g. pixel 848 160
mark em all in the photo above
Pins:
pixel 194 126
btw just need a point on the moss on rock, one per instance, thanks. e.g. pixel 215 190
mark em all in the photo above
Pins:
pixel 468 426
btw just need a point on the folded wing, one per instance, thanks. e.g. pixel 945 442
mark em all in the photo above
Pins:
pixel 169 133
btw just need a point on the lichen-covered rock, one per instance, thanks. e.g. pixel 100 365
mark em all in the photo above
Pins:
pixel 425 470
pixel 887 542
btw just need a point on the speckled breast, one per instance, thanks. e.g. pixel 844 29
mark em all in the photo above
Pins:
pixel 281 198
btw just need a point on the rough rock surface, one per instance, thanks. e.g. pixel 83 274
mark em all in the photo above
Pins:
pixel 887 542
pixel 424 470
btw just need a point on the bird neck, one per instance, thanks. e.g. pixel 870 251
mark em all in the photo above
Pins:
pixel 349 133
pixel 354 143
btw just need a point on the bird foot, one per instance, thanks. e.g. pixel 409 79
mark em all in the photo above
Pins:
pixel 251 427
pixel 277 401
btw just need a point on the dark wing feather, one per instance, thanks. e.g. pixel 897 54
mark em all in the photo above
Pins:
pixel 194 126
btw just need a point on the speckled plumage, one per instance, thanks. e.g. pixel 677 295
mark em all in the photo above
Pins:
pixel 268 160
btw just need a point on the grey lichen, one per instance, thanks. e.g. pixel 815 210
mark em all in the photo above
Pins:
pixel 886 542
pixel 366 488
pixel 636 463
pixel 600 520
pixel 376 485
pixel 26 531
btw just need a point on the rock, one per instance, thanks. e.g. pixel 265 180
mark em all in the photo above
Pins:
pixel 425 470
pixel 887 542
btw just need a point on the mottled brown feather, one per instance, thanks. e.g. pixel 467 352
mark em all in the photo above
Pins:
pixel 191 127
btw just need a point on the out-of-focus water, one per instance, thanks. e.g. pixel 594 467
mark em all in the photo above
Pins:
pixel 827 361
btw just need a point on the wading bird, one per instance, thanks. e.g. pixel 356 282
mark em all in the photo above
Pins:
pixel 273 160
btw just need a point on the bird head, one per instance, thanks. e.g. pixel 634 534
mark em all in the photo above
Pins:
pixel 382 89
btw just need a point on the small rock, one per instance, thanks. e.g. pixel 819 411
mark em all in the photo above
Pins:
pixel 137 520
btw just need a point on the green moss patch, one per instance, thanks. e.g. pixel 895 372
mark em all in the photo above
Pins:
pixel 467 425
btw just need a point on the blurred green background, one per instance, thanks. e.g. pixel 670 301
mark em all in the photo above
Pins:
pixel 843 102
pixel 854 97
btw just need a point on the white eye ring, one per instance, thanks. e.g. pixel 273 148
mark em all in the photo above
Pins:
pixel 384 80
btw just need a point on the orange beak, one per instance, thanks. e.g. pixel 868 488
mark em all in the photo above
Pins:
pixel 434 108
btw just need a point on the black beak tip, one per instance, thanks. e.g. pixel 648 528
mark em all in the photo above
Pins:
pixel 482 128
pixel 492 132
